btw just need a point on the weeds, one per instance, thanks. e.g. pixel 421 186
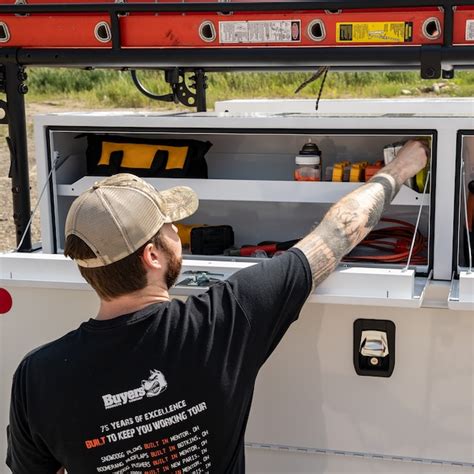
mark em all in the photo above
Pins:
pixel 110 88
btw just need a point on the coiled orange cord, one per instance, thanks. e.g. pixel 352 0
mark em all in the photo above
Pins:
pixel 393 244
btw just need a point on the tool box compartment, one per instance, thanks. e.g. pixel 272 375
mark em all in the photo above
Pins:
pixel 462 288
pixel 251 187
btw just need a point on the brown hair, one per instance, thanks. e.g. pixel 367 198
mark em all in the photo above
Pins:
pixel 117 279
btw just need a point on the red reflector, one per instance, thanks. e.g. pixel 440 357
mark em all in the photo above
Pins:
pixel 6 301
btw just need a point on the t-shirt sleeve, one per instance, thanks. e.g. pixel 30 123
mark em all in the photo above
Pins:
pixel 271 294
pixel 26 452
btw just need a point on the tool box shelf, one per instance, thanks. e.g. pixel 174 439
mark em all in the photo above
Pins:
pixel 257 190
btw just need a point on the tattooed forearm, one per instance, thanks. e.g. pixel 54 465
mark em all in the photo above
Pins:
pixel 348 222
pixel 354 216
pixel 389 185
pixel 320 257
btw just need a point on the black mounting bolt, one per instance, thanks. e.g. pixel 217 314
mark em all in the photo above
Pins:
pixel 429 72
pixel 22 88
pixel 22 76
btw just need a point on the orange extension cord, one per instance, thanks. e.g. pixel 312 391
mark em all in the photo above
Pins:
pixel 393 244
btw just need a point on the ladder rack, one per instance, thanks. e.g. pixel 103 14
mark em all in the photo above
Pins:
pixel 432 35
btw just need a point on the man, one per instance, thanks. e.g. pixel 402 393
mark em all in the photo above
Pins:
pixel 155 385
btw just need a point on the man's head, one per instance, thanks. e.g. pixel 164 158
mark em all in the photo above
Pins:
pixel 121 228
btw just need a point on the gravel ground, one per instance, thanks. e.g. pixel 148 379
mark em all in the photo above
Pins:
pixel 7 227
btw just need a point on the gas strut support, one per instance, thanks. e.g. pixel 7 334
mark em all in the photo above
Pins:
pixel 15 89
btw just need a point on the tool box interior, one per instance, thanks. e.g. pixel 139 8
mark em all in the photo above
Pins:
pixel 251 186
pixel 464 244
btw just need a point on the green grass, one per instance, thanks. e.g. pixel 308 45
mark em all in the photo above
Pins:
pixel 115 88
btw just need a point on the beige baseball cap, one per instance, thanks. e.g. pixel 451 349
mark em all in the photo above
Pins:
pixel 123 212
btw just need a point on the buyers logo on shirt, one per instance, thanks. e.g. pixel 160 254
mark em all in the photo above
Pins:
pixel 151 387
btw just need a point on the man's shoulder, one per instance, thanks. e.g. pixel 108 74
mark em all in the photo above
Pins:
pixel 49 352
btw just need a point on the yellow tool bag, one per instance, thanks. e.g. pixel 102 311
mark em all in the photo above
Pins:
pixel 167 158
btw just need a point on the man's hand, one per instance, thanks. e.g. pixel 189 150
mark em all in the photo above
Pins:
pixel 355 215
pixel 412 158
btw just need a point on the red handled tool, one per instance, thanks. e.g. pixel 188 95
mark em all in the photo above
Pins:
pixel 269 247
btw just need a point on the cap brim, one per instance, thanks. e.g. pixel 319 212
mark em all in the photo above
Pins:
pixel 180 202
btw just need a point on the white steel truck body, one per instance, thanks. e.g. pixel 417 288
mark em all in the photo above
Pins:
pixel 311 411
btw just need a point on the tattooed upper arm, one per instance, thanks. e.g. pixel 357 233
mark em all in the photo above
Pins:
pixel 346 224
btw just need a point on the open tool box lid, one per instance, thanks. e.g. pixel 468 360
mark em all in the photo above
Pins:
pixel 461 296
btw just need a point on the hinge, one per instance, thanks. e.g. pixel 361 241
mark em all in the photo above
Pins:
pixel 355 454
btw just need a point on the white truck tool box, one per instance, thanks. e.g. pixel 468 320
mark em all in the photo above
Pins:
pixel 312 411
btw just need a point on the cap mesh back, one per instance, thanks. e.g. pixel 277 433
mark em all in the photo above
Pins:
pixel 129 220
pixel 121 213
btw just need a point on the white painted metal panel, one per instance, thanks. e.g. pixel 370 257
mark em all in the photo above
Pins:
pixel 461 296
pixel 372 287
pixel 39 315
pixel 414 106
pixel 466 286
pixel 261 120
pixel 284 461
pixel 369 286
pixel 308 394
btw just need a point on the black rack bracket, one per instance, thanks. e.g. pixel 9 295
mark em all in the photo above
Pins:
pixel 430 61
pixel 13 79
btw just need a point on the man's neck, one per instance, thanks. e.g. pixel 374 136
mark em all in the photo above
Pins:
pixel 130 303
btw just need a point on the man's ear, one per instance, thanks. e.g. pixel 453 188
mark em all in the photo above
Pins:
pixel 152 258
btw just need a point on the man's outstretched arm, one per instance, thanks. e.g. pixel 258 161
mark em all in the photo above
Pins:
pixel 355 215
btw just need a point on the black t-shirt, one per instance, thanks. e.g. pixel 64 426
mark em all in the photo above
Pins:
pixel 164 390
